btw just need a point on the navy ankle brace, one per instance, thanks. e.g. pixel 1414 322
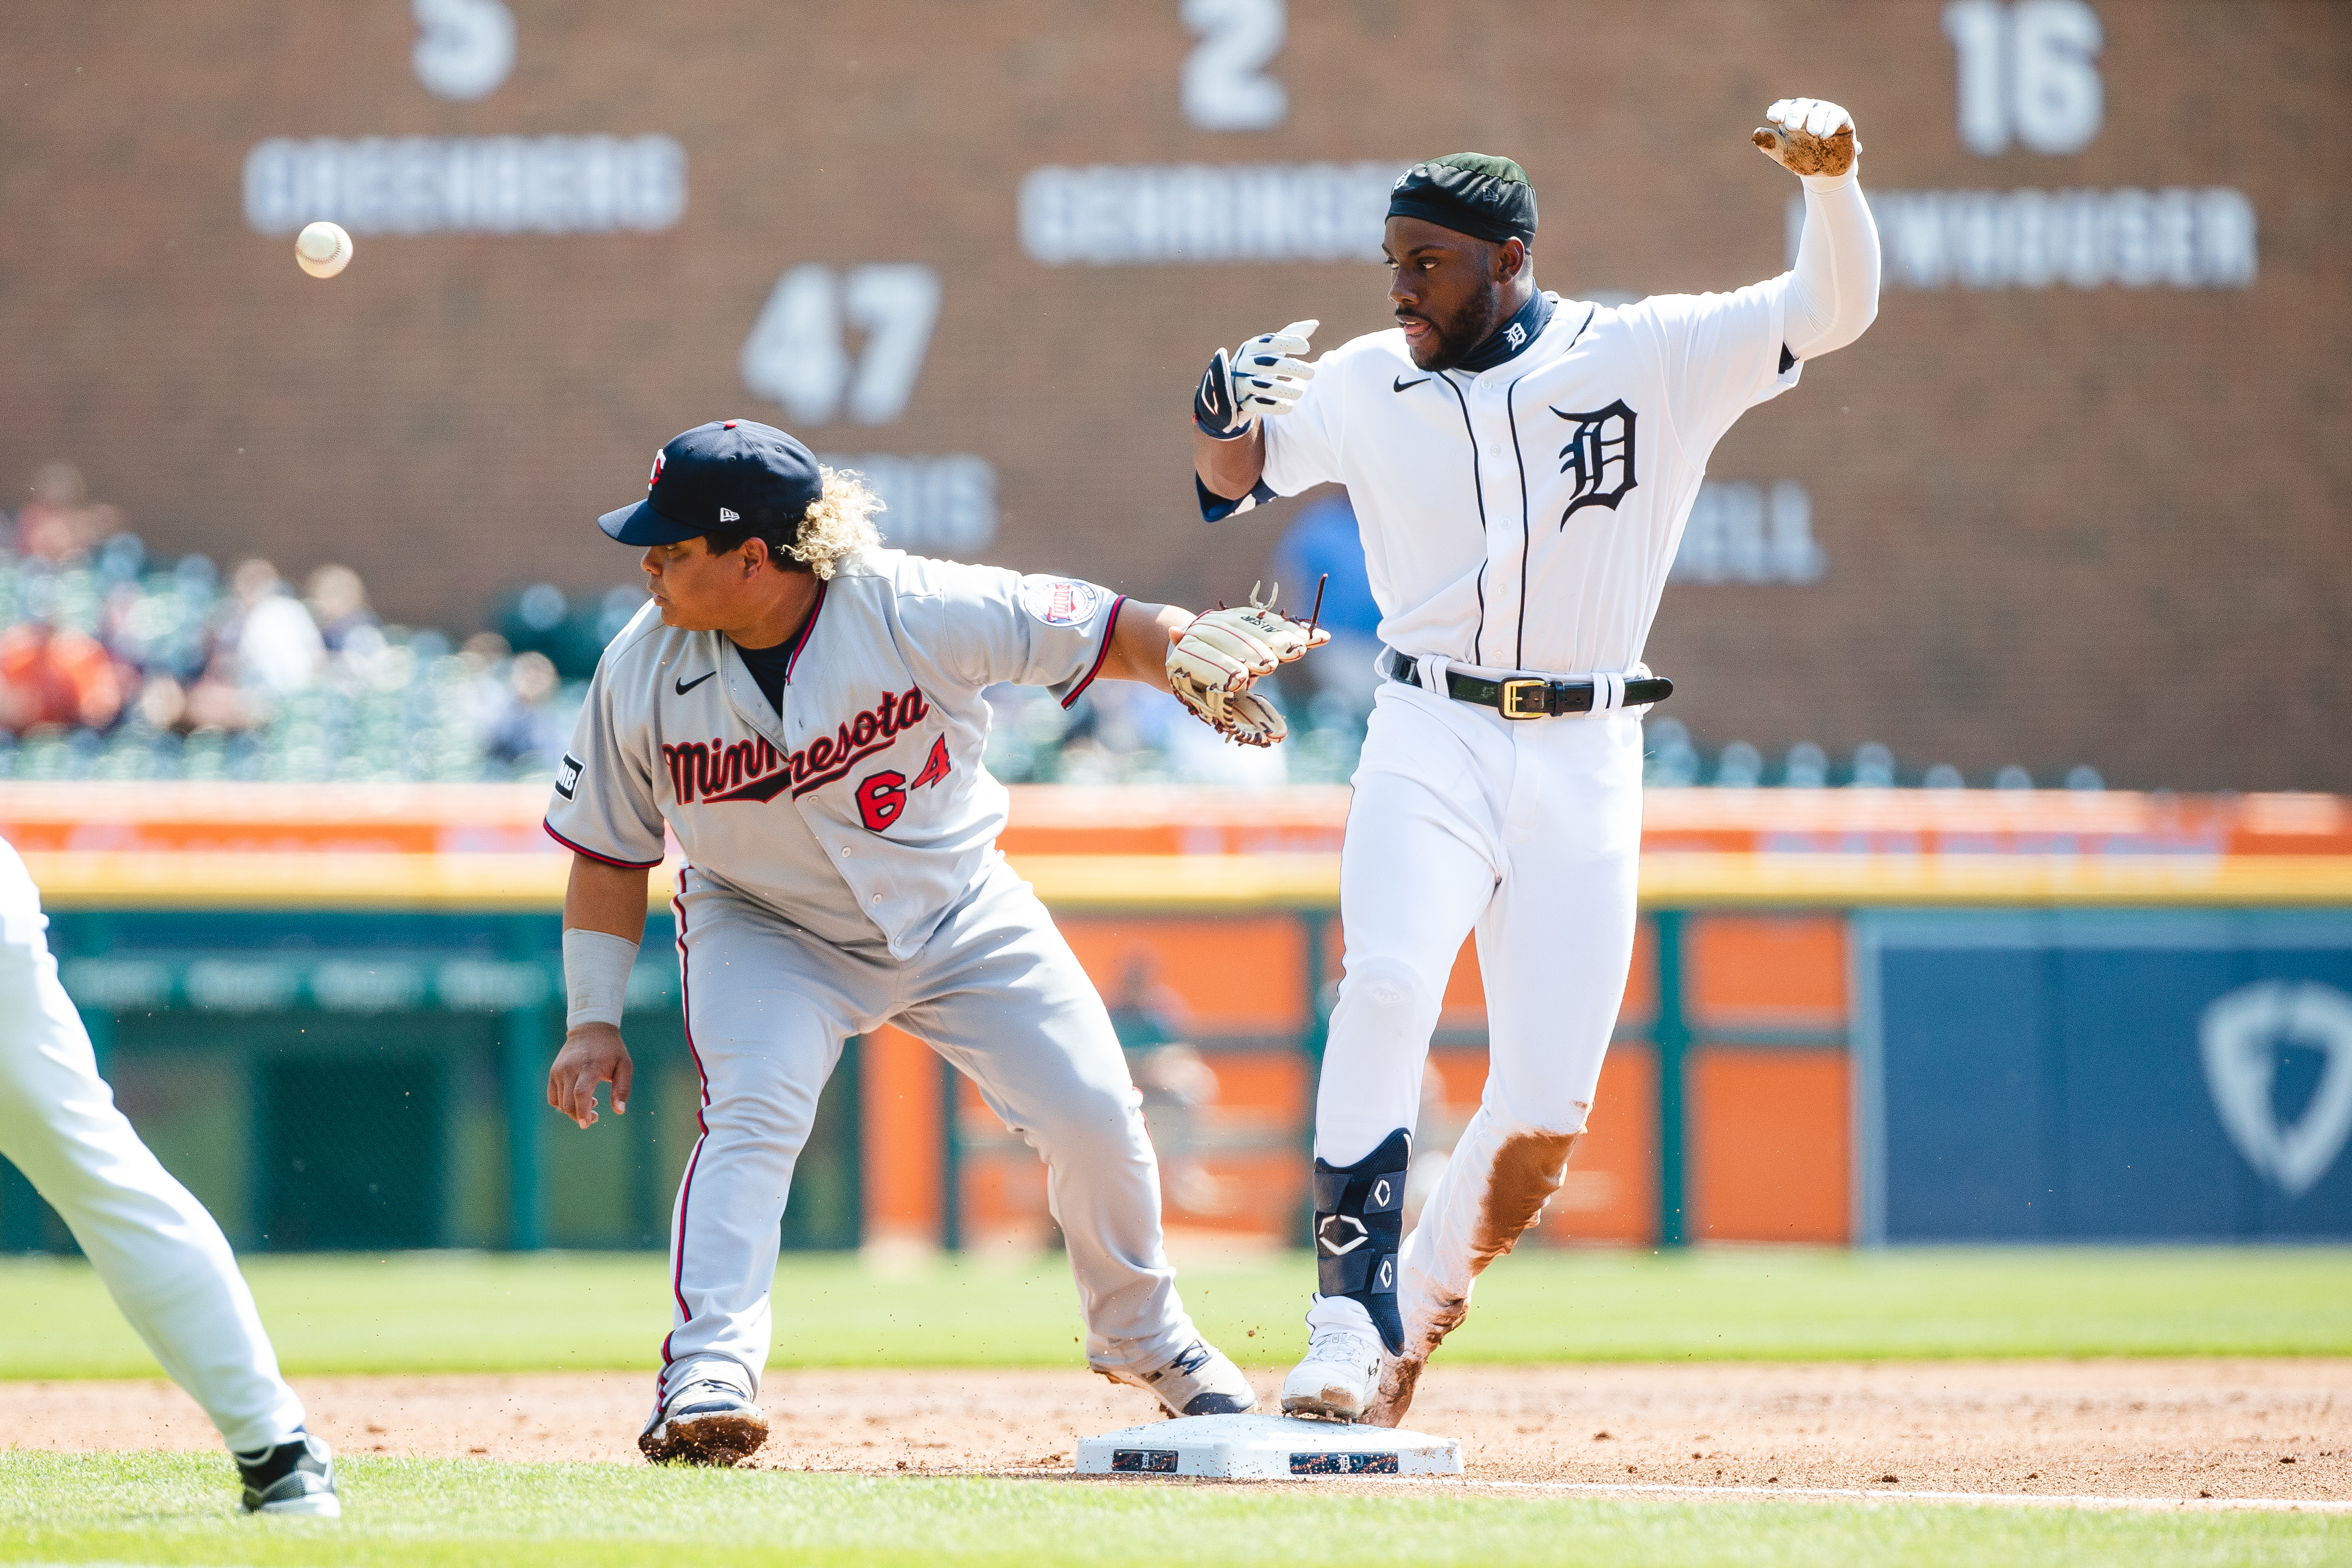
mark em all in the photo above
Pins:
pixel 1359 1226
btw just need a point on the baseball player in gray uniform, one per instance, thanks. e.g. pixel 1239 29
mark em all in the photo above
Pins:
pixel 1521 466
pixel 803 708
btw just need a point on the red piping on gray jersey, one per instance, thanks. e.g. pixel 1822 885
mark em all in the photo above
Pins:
pixel 807 628
pixel 600 859
pixel 1101 654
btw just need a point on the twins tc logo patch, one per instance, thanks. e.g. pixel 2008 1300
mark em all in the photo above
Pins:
pixel 1597 459
pixel 1058 601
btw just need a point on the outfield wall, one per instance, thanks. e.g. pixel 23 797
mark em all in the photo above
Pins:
pixel 1851 1017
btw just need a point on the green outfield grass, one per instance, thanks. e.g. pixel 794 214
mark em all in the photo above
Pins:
pixel 157 1508
pixel 457 1311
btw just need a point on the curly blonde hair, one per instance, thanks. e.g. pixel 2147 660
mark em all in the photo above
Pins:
pixel 838 523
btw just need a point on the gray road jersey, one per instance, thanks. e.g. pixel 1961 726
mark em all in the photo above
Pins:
pixel 875 760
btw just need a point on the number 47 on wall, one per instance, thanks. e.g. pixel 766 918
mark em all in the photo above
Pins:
pixel 798 353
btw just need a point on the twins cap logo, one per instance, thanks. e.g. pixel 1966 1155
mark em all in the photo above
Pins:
pixel 654 478
pixel 729 514
pixel 2241 1034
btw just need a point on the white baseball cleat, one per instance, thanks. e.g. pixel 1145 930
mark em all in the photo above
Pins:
pixel 1339 1379
pixel 296 1478
pixel 706 1422
pixel 1200 1381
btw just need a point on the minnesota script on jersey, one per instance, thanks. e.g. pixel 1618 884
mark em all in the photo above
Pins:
pixel 1525 517
pixel 861 813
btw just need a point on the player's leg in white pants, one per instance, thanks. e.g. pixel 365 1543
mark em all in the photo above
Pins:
pixel 162 1258
pixel 1419 863
pixel 1529 833
pixel 767 1008
pixel 1554 945
pixel 1002 996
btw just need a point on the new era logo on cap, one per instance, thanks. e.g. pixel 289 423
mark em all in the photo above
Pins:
pixel 729 514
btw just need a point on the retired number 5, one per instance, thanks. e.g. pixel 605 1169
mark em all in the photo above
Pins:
pixel 881 798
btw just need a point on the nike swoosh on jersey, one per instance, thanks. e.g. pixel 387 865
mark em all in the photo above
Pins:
pixel 1401 384
pixel 686 686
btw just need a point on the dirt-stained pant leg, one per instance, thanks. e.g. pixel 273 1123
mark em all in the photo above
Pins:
pixel 1554 946
pixel 767 1008
pixel 162 1258
pixel 1001 995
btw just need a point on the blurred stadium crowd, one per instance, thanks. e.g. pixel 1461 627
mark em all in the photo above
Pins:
pixel 115 664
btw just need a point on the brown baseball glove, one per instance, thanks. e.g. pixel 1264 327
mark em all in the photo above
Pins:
pixel 1808 136
pixel 1213 664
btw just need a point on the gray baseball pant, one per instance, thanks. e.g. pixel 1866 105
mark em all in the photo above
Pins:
pixel 997 991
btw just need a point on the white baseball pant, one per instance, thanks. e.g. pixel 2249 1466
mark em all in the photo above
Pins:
pixel 1529 833
pixel 161 1255
pixel 998 993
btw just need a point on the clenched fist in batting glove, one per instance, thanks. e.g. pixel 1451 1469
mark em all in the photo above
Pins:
pixel 1263 377
pixel 1214 662
pixel 1808 136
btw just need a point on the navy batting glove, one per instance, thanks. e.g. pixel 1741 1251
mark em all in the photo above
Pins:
pixel 1217 408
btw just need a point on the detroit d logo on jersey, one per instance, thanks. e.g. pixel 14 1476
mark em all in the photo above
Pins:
pixel 1599 458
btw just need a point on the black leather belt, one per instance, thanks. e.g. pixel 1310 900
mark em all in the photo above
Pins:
pixel 1531 697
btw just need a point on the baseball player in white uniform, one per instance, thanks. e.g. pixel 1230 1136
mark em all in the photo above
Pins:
pixel 1522 465
pixel 162 1258
pixel 803 708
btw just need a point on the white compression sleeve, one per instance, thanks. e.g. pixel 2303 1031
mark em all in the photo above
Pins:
pixel 595 977
pixel 1833 288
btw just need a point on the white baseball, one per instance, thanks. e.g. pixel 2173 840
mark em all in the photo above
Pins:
pixel 323 250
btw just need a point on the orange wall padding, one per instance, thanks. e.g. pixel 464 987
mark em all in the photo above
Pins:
pixel 1242 975
pixel 1769 1133
pixel 899 1084
pixel 1765 971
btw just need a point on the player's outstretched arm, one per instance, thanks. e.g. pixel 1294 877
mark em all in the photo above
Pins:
pixel 1833 288
pixel 1138 646
pixel 603 917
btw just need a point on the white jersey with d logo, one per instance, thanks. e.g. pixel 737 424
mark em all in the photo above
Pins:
pixel 1525 518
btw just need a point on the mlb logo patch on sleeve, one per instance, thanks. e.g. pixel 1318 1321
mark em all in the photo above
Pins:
pixel 567 777
pixel 1060 601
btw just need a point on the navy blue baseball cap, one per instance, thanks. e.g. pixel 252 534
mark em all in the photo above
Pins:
pixel 732 475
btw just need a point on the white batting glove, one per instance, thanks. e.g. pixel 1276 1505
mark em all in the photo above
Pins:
pixel 1808 136
pixel 1263 377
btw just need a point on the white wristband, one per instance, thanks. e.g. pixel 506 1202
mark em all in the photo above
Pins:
pixel 596 967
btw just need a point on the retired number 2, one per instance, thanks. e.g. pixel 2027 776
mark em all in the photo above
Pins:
pixel 881 798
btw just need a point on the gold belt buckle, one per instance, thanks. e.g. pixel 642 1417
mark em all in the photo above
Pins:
pixel 1509 706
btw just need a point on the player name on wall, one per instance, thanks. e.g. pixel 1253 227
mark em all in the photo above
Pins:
pixel 2032 239
pixel 943 505
pixel 1742 532
pixel 1147 214
pixel 466 185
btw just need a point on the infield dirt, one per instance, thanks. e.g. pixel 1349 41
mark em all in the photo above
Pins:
pixel 2223 1429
